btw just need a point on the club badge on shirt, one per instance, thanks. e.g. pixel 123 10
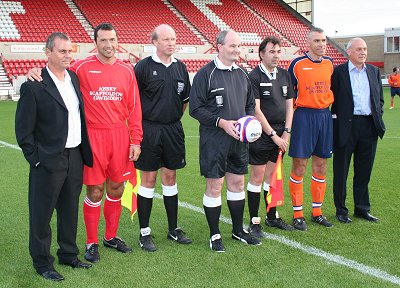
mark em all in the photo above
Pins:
pixel 219 100
pixel 284 91
pixel 181 86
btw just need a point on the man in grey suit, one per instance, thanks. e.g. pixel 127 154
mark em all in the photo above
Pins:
pixel 357 122
pixel 51 131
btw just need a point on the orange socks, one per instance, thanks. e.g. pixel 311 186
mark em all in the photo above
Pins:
pixel 318 187
pixel 296 193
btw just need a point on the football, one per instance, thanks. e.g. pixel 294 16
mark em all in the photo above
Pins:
pixel 249 129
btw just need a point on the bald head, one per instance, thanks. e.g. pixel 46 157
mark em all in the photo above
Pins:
pixel 357 51
pixel 160 30
pixel 164 38
pixel 355 41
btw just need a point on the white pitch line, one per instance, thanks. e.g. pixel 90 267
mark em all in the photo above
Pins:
pixel 371 271
pixel 10 145
pixel 385 137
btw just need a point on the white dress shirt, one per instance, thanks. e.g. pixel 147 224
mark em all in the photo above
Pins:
pixel 71 101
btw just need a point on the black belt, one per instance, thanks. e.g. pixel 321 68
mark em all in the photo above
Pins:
pixel 362 116
pixel 67 150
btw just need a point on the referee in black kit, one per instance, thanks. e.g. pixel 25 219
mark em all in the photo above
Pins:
pixel 273 93
pixel 164 87
pixel 221 94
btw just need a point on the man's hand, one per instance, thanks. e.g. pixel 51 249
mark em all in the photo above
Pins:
pixel 35 74
pixel 281 142
pixel 229 127
pixel 134 152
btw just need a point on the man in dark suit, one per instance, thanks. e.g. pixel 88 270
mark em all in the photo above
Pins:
pixel 51 131
pixel 357 123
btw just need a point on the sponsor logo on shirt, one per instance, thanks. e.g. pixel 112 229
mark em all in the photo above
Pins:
pixel 307 68
pixel 155 73
pixel 106 94
pixel 94 72
pixel 319 87
pixel 266 93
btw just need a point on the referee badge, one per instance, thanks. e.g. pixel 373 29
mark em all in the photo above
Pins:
pixel 181 86
pixel 284 90
pixel 219 100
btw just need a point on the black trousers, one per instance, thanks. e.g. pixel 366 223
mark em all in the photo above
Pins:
pixel 55 183
pixel 362 145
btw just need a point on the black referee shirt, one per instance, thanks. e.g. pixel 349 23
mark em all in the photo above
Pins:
pixel 220 93
pixel 163 90
pixel 272 93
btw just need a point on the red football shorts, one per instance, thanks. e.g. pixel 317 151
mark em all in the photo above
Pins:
pixel 110 147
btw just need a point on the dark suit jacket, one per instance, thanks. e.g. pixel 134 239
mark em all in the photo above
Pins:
pixel 343 105
pixel 41 122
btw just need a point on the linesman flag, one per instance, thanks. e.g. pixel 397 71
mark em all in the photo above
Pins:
pixel 275 194
pixel 129 197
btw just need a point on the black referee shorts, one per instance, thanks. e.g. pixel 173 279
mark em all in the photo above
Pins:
pixel 264 149
pixel 163 145
pixel 220 153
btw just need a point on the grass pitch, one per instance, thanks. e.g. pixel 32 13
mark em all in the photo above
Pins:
pixel 361 254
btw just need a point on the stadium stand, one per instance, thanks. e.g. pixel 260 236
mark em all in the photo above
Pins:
pixel 28 21
pixel 211 18
pixel 193 65
pixel 21 66
pixel 135 19
pixel 196 23
pixel 289 26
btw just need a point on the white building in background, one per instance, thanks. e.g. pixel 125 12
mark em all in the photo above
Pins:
pixel 391 49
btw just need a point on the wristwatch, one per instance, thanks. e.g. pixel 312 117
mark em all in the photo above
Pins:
pixel 273 133
pixel 288 130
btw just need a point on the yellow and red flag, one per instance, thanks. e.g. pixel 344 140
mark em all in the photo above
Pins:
pixel 129 197
pixel 275 194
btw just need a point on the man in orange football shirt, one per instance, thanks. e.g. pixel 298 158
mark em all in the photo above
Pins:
pixel 311 127
pixel 394 82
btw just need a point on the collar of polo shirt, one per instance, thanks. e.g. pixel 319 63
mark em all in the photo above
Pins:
pixel 221 66
pixel 271 75
pixel 158 60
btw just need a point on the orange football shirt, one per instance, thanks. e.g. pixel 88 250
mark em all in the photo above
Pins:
pixel 312 81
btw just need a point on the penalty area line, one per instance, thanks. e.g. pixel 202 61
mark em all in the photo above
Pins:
pixel 340 260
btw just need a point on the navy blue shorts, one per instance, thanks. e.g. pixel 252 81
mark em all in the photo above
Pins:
pixel 311 133
pixel 394 91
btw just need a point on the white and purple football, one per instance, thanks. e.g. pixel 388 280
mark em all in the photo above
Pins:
pixel 249 129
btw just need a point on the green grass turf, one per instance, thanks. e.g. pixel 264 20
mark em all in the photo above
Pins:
pixel 272 264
